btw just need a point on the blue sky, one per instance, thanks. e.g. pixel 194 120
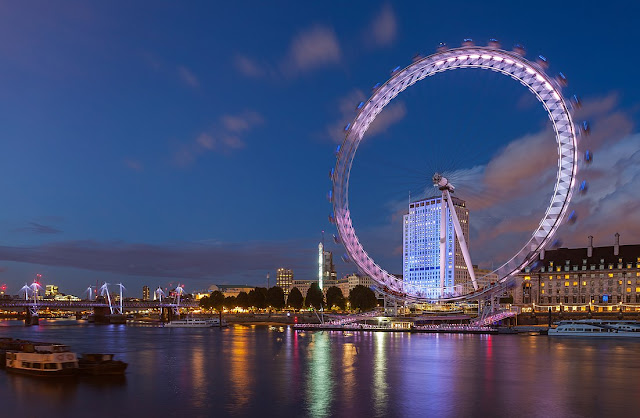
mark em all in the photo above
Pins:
pixel 157 142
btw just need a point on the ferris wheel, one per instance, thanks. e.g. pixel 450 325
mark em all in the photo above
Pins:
pixel 548 91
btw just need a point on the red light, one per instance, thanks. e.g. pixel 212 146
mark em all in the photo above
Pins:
pixel 295 319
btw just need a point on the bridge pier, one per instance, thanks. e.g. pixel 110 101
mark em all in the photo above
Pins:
pixel 31 318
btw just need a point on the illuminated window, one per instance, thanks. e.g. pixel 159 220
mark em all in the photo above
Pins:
pixel 584 283
pixel 620 282
pixel 551 277
pixel 628 281
pixel 566 276
pixel 628 290
pixel 610 274
pixel 542 284
pixel 542 291
pixel 575 283
pixel 527 277
pixel 558 268
pixel 566 284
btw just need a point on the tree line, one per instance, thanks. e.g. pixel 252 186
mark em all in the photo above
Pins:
pixel 360 298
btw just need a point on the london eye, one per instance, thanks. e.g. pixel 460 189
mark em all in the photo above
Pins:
pixel 546 89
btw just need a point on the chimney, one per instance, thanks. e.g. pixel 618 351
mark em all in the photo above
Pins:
pixel 590 247
pixel 616 247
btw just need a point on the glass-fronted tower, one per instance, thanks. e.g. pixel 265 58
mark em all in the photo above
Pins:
pixel 421 246
pixel 284 279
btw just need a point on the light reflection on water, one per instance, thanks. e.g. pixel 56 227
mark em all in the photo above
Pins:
pixel 260 371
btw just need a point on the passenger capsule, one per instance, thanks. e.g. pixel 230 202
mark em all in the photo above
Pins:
pixel 573 217
pixel 331 172
pixel 467 42
pixel 442 47
pixel 585 128
pixel 347 127
pixel 542 61
pixel 575 102
pixel 562 80
pixel 520 50
pixel 376 86
pixel 494 43
pixel 332 218
pixel 395 70
pixel 336 239
pixel 416 57
pixel 588 156
pixel 345 258
pixel 584 186
pixel 337 151
pixel 330 196
pixel 359 105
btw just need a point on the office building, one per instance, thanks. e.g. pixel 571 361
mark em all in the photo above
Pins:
pixel 284 279
pixel 145 293
pixel 421 247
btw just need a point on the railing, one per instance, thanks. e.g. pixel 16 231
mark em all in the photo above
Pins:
pixel 89 304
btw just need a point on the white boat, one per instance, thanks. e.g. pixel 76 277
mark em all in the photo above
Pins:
pixel 45 360
pixel 195 323
pixel 596 328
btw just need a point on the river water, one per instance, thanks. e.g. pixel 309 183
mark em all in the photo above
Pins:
pixel 275 371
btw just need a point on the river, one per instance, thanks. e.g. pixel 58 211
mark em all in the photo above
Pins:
pixel 275 371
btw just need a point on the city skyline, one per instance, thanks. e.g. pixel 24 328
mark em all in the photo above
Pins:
pixel 135 149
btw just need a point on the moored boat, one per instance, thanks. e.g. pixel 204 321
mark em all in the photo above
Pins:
pixel 195 323
pixel 596 328
pixel 49 360
pixel 100 364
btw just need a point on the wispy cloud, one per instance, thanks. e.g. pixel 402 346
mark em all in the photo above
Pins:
pixel 383 29
pixel 134 165
pixel 38 228
pixel 392 113
pixel 247 66
pixel 225 137
pixel 313 48
pixel 188 77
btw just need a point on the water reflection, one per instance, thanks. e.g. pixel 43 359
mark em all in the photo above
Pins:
pixel 319 377
pixel 255 371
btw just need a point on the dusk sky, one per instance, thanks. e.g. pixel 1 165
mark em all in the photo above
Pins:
pixel 151 143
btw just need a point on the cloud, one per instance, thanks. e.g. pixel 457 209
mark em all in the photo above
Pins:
pixel 508 196
pixel 392 113
pixel 182 260
pixel 188 77
pixel 314 48
pixel 37 228
pixel 242 122
pixel 247 66
pixel 223 138
pixel 383 29
pixel 134 165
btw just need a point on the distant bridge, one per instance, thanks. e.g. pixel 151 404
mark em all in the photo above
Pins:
pixel 86 304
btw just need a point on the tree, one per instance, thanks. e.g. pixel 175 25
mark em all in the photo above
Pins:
pixel 295 299
pixel 335 298
pixel 258 298
pixel 242 300
pixel 230 302
pixel 205 302
pixel 275 297
pixel 216 300
pixel 363 298
pixel 315 297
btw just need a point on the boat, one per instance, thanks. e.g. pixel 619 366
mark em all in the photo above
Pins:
pixel 50 360
pixel 100 364
pixel 195 323
pixel 596 328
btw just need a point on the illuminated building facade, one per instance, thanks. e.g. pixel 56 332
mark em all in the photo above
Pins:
pixel 421 246
pixel 327 275
pixel 51 290
pixel 145 293
pixel 284 279
pixel 581 279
